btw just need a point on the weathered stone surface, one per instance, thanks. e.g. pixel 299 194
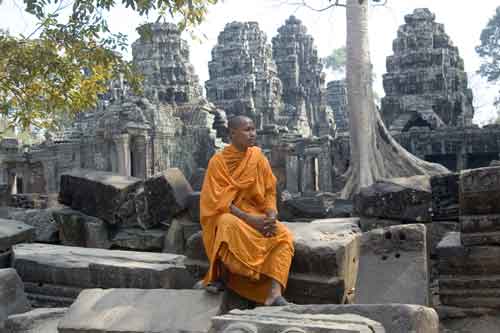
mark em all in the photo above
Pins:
pixel 324 266
pixel 78 229
pixel 444 190
pixel 480 230
pixel 193 206
pixel 436 231
pixel 243 76
pixel 181 229
pixel 456 259
pixel 270 322
pixel 337 99
pixel 41 219
pixel 470 291
pixel 12 297
pixel 306 208
pixel 480 191
pixel 482 324
pixel 138 239
pixel 425 83
pixel 35 321
pixel 406 199
pixel 395 318
pixel 162 56
pixel 469 275
pixel 165 196
pixel 300 71
pixel 105 195
pixel 197 177
pixel 141 311
pixel 14 232
pixel 92 268
pixel 393 266
pixel 369 223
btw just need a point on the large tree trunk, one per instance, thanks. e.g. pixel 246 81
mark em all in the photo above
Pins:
pixel 374 153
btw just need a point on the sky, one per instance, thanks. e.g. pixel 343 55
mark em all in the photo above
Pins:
pixel 463 21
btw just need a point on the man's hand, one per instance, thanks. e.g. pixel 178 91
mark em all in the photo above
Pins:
pixel 262 224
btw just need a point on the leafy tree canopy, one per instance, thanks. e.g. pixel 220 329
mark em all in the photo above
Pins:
pixel 489 49
pixel 336 61
pixel 64 64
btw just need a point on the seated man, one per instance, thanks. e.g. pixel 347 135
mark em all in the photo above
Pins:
pixel 249 250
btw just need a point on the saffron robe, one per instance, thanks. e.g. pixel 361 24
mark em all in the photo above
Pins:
pixel 244 179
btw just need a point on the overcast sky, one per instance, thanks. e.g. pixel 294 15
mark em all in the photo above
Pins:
pixel 463 22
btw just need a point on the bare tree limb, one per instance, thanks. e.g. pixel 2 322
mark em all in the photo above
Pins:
pixel 305 4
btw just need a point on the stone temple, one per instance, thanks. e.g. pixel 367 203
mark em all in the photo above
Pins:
pixel 172 125
pixel 428 105
pixel 100 224
pixel 302 78
pixel 425 78
pixel 243 76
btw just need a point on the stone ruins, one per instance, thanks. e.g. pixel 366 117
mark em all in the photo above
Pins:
pixel 99 224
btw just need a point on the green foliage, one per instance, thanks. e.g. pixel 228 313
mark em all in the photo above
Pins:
pixel 489 49
pixel 337 60
pixel 63 66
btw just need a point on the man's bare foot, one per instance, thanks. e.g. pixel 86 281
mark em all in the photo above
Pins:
pixel 274 298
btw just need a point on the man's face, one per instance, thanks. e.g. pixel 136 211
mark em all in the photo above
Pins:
pixel 245 135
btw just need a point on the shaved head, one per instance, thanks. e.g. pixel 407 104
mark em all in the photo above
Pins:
pixel 238 121
pixel 242 132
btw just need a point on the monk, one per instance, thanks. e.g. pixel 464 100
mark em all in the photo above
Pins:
pixel 249 250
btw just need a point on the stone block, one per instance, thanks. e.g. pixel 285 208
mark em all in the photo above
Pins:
pixel 196 179
pixel 407 199
pixel 445 191
pixel 12 297
pixel 141 311
pixel 41 219
pixel 138 239
pixel 193 205
pixel 395 318
pixel 480 191
pixel 323 268
pixel 179 232
pixel 480 229
pixel 78 229
pixel 250 321
pixel 470 291
pixel 393 266
pixel 456 259
pixel 77 267
pixel 370 223
pixel 105 195
pixel 37 320
pixel 165 196
pixel 436 232
pixel 13 232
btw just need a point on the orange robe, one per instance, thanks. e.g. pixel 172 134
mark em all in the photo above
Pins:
pixel 246 180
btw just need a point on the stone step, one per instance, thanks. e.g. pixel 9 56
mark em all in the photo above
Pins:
pixel 13 232
pixel 456 259
pixel 37 320
pixel 480 191
pixel 480 238
pixel 91 268
pixel 141 311
pixel 394 318
pixel 324 266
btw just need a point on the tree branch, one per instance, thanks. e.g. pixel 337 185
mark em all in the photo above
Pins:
pixel 305 4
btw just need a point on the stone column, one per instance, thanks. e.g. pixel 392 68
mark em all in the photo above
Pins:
pixel 292 173
pixel 51 177
pixel 462 157
pixel 123 152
